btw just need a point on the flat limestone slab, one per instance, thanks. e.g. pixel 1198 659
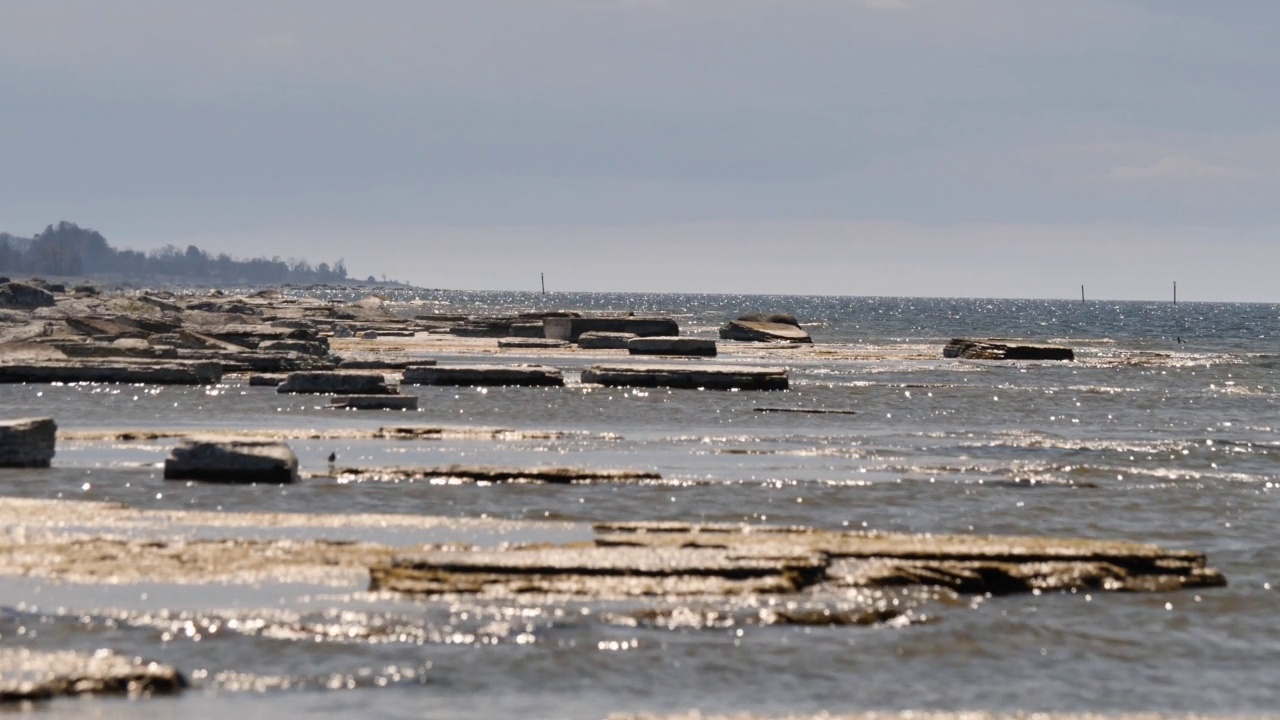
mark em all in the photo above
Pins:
pixel 604 340
pixel 484 375
pixel 27 442
pixel 27 674
pixel 109 371
pixel 999 349
pixel 343 383
pixel 374 402
pixel 570 328
pixel 699 347
pixel 755 331
pixel 532 343
pixel 492 473
pixel 232 461
pixel 692 376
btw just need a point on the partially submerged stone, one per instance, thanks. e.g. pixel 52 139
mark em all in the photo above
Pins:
pixel 492 473
pixel 604 340
pixel 27 442
pixel 27 674
pixel 532 343
pixel 693 376
pixel 688 346
pixel 374 402
pixel 336 383
pixel 571 328
pixel 232 461
pixel 758 331
pixel 999 349
pixel 483 375
pixel 176 372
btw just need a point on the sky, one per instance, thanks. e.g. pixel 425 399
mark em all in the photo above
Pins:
pixel 983 148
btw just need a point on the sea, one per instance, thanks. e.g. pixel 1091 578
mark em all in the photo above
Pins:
pixel 1165 429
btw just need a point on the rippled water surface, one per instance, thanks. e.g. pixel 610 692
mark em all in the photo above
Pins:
pixel 1163 430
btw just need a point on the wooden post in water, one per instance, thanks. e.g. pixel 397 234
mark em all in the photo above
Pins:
pixel 544 282
pixel 1175 292
pixel 1081 294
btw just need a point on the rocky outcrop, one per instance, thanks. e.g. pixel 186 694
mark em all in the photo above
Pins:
pixel 483 375
pixel 1000 349
pixel 27 442
pixel 750 328
pixel 672 559
pixel 374 402
pixel 604 340
pixel 571 328
pixel 232 461
pixel 21 296
pixel 27 674
pixel 699 376
pixel 336 383
pixel 685 346
pixel 112 371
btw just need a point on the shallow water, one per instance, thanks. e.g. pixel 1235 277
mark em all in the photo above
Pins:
pixel 1143 438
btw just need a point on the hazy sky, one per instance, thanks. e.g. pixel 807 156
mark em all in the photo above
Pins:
pixel 997 148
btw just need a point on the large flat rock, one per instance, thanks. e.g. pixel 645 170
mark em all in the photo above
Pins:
pixel 483 375
pixel 27 674
pixel 27 442
pixel 497 473
pixel 663 345
pixel 758 331
pixel 694 376
pixel 999 349
pixel 570 328
pixel 232 461
pixel 112 371
pixel 336 383
pixel 374 402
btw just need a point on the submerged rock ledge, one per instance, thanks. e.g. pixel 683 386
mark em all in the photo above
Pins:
pixel 27 674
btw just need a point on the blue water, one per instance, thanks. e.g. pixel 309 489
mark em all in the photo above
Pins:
pixel 1163 430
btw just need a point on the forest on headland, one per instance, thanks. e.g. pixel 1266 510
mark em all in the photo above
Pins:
pixel 68 250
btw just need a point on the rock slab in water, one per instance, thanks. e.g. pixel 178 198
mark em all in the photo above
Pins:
pixel 27 674
pixel 27 442
pixel 693 376
pixel 112 371
pixel 757 331
pixel 374 402
pixel 336 383
pixel 232 461
pixel 604 340
pixel 571 328
pixel 484 375
pixel 531 343
pixel 998 349
pixel 687 346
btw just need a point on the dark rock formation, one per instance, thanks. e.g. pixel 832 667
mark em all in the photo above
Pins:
pixel 760 331
pixel 374 402
pixel 27 442
pixel 232 461
pixel 490 473
pixel 531 343
pixel 710 377
pixel 490 375
pixel 570 328
pixel 174 372
pixel 336 383
pixel 21 296
pixel 1000 349
pixel 685 346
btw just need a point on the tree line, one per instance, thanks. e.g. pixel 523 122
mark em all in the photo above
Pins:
pixel 67 249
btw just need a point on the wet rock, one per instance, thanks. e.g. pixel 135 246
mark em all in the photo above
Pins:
pixel 807 411
pixel 685 346
pixel 336 383
pixel 112 371
pixel 318 348
pixel 526 329
pixel 104 327
pixel 604 340
pixel 743 329
pixel 232 461
pixel 571 328
pixel 22 296
pixel 489 473
pixel 374 402
pixel 483 375
pixel 998 349
pixel 531 343
pixel 374 362
pixel 267 379
pixel 27 442
pixel 27 674
pixel 693 376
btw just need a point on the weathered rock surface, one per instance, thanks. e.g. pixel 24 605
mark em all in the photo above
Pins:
pixel 490 473
pixel 21 296
pixel 232 461
pixel 758 331
pixel 692 376
pixel 27 674
pixel 27 442
pixel 531 343
pixel 374 402
pixel 999 349
pixel 604 340
pixel 112 371
pixel 483 375
pixel 673 560
pixel 684 346
pixel 571 328
pixel 336 383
